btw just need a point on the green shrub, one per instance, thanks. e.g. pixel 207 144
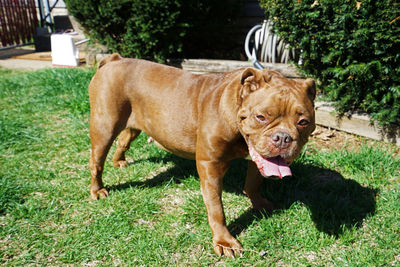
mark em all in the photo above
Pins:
pixel 352 48
pixel 158 29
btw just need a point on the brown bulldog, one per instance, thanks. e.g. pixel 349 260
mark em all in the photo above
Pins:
pixel 212 118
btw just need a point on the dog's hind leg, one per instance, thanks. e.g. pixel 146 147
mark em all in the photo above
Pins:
pixel 123 144
pixel 102 135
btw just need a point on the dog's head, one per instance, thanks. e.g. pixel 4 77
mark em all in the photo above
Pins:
pixel 276 117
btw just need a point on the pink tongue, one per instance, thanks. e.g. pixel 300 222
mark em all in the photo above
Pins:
pixel 270 167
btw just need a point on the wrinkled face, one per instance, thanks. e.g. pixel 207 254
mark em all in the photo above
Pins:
pixel 276 118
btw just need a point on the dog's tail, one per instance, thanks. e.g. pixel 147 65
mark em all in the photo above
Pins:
pixel 113 57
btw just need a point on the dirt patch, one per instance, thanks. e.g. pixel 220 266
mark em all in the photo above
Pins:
pixel 173 200
pixel 326 139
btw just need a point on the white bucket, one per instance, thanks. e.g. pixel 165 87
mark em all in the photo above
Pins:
pixel 63 51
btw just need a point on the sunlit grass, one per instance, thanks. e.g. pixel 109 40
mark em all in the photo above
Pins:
pixel 340 208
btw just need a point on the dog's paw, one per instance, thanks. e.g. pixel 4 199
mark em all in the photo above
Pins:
pixel 228 246
pixel 97 194
pixel 121 164
pixel 263 205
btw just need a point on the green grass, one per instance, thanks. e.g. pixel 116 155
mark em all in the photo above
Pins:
pixel 340 208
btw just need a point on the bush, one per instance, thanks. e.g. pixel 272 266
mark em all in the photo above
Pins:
pixel 352 48
pixel 157 29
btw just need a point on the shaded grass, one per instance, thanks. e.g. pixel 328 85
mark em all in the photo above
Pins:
pixel 338 209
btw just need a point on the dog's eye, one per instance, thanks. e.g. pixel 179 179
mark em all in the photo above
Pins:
pixel 303 122
pixel 260 118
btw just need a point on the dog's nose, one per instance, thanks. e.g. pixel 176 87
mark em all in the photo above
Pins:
pixel 281 139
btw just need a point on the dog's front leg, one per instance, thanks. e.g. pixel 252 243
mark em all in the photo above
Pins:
pixel 211 173
pixel 252 189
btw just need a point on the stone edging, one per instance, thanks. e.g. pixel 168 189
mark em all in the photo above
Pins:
pixel 217 66
pixel 359 124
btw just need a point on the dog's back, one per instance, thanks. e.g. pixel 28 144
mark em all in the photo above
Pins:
pixel 160 100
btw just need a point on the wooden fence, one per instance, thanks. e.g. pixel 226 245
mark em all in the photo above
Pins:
pixel 18 22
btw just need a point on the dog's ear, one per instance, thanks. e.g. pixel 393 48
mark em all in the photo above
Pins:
pixel 252 79
pixel 310 88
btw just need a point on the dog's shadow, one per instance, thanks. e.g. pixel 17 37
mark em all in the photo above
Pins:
pixel 335 203
pixel 182 169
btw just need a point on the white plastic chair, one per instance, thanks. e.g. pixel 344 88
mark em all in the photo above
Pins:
pixel 267 47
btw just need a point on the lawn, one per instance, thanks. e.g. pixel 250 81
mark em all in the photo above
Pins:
pixel 341 206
